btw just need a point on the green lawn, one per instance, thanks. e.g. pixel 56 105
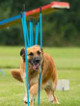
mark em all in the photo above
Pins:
pixel 68 65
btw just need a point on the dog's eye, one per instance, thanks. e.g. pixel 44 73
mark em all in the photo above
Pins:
pixel 31 54
pixel 38 52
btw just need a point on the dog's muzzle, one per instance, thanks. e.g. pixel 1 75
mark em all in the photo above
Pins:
pixel 35 63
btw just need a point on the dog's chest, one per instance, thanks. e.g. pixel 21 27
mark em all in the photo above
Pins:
pixel 34 80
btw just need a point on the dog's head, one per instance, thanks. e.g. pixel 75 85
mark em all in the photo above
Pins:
pixel 34 56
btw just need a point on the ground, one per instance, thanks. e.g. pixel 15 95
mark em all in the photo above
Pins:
pixel 68 65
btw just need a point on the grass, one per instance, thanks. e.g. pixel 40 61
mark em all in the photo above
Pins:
pixel 68 65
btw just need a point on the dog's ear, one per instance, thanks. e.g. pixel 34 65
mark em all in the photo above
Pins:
pixel 22 52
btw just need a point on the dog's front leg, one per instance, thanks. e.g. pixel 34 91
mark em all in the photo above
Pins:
pixel 24 80
pixel 33 91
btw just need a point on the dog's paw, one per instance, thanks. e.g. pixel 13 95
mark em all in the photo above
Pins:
pixel 51 99
pixel 25 100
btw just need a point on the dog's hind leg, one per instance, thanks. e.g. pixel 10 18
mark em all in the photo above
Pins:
pixel 16 74
pixel 52 98
pixel 50 89
pixel 54 84
pixel 55 99
pixel 50 94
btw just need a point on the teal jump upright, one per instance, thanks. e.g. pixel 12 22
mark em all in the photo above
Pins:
pixel 31 32
pixel 36 32
pixel 41 42
pixel 26 41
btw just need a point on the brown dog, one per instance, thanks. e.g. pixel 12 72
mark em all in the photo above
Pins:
pixel 36 57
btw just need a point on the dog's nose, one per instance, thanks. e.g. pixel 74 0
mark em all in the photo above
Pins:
pixel 36 60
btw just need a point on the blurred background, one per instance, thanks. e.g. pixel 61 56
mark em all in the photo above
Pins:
pixel 61 28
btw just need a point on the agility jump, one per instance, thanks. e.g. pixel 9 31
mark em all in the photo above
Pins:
pixel 29 38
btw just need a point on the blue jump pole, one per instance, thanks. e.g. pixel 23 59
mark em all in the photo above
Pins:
pixel 26 30
pixel 31 33
pixel 32 39
pixel 36 32
pixel 24 25
pixel 40 66
pixel 30 27
pixel 41 36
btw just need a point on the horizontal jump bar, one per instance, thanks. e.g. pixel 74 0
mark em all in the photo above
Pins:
pixel 49 8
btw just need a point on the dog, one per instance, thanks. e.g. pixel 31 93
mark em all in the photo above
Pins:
pixel 37 58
